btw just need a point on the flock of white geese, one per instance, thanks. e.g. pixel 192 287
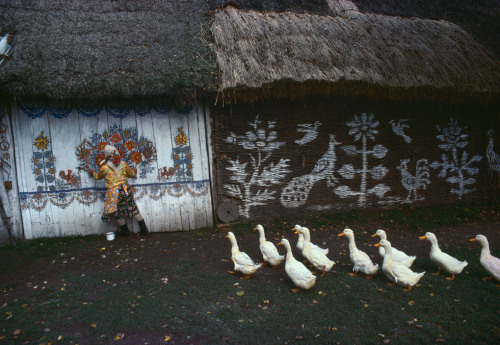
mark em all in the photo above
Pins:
pixel 396 264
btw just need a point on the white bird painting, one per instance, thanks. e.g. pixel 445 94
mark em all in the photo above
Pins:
pixel 398 129
pixel 310 130
pixel 493 157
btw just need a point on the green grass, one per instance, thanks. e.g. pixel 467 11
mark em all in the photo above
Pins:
pixel 218 307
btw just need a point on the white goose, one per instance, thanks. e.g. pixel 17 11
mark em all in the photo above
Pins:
pixel 397 255
pixel 300 242
pixel 296 270
pixel 490 263
pixel 443 260
pixel 397 272
pixel 360 260
pixel 314 255
pixel 241 260
pixel 268 249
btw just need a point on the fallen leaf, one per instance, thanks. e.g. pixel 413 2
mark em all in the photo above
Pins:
pixel 16 332
pixel 93 325
pixel 119 336
pixel 167 338
pixel 240 293
pixel 299 337
pixel 439 339
pixel 411 303
pixel 225 339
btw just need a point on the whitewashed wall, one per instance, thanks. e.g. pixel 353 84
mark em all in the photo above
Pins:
pixel 57 199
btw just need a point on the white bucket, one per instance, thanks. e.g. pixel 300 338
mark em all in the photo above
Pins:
pixel 110 236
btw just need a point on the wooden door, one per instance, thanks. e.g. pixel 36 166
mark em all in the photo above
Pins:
pixel 167 145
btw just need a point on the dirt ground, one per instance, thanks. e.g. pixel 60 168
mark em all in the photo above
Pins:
pixel 212 250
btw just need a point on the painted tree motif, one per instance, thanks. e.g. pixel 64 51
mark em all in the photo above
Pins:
pixel 252 179
pixel 182 156
pixel 43 164
pixel 363 127
pixel 412 183
pixel 452 139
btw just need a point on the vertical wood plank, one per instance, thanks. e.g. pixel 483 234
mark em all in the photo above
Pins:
pixel 178 121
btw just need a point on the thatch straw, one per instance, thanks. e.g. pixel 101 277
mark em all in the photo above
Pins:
pixel 105 48
pixel 290 54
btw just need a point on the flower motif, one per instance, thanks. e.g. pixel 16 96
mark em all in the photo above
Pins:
pixel 260 139
pixel 41 142
pixel 130 145
pixel 85 154
pixel 115 139
pixel 102 145
pixel 363 127
pixel 99 158
pixel 181 139
pixel 136 157
pixel 452 136
pixel 147 152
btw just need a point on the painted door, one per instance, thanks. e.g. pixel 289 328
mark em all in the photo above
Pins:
pixel 167 145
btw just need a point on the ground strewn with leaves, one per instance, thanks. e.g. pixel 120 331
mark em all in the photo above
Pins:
pixel 174 288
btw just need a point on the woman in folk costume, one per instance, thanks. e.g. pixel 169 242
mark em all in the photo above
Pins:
pixel 119 202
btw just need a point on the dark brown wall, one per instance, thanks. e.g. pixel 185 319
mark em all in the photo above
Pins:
pixel 469 134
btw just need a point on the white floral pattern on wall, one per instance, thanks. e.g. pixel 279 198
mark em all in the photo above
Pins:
pixel 251 179
pixel 456 167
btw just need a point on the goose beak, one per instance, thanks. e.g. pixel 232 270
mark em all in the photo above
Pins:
pixel 472 239
pixel 341 234
pixel 296 232
pixel 374 235
pixel 255 228
pixel 377 245
pixel 279 243
pixel 293 229
pixel 423 237
pixel 226 236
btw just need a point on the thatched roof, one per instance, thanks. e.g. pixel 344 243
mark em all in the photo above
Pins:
pixel 479 18
pixel 93 49
pixel 297 54
pixel 105 48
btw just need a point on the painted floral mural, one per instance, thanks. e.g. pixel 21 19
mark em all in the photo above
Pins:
pixel 136 151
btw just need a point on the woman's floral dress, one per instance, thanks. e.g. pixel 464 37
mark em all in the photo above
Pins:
pixel 119 202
